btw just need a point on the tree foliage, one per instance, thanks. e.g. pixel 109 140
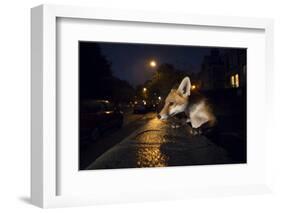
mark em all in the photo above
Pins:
pixel 164 78
pixel 96 79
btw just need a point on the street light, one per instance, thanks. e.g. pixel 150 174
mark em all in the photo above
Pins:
pixel 144 89
pixel 152 63
pixel 193 87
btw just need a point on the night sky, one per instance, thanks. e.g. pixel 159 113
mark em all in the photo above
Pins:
pixel 128 60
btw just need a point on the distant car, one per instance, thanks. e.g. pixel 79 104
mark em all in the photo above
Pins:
pixel 140 108
pixel 97 117
pixel 152 107
pixel 144 107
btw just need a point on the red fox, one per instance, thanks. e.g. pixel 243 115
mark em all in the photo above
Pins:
pixel 195 106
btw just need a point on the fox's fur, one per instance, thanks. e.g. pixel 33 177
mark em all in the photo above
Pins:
pixel 195 106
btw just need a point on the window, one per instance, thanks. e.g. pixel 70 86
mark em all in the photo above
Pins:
pixel 234 81
pixel 237 80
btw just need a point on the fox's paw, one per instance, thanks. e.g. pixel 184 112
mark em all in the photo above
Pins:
pixel 194 131
pixel 175 126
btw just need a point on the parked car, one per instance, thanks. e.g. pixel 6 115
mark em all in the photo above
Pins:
pixel 97 117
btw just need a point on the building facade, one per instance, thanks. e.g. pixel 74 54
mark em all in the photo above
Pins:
pixel 223 69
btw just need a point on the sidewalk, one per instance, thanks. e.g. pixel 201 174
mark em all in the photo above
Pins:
pixel 157 145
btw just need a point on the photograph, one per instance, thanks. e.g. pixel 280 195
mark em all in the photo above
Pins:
pixel 161 105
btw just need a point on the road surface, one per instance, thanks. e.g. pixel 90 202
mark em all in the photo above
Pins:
pixel 149 142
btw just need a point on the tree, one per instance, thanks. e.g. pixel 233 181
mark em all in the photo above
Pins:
pixel 96 78
pixel 94 70
pixel 122 91
pixel 165 78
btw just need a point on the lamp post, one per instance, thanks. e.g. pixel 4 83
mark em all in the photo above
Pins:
pixel 144 90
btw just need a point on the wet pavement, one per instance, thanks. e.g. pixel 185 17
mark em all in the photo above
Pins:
pixel 153 143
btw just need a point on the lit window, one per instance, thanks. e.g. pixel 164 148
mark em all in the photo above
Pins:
pixel 234 80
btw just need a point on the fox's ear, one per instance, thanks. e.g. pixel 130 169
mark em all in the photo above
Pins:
pixel 184 87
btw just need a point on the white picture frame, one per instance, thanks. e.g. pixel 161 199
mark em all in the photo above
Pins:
pixel 44 153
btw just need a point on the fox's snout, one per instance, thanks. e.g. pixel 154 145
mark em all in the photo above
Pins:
pixel 162 117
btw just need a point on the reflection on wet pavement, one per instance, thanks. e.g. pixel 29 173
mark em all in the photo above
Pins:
pixel 148 146
pixel 149 143
pixel 148 150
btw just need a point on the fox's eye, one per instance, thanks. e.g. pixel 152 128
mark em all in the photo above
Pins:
pixel 171 103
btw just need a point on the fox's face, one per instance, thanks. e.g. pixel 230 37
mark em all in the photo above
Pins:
pixel 176 101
